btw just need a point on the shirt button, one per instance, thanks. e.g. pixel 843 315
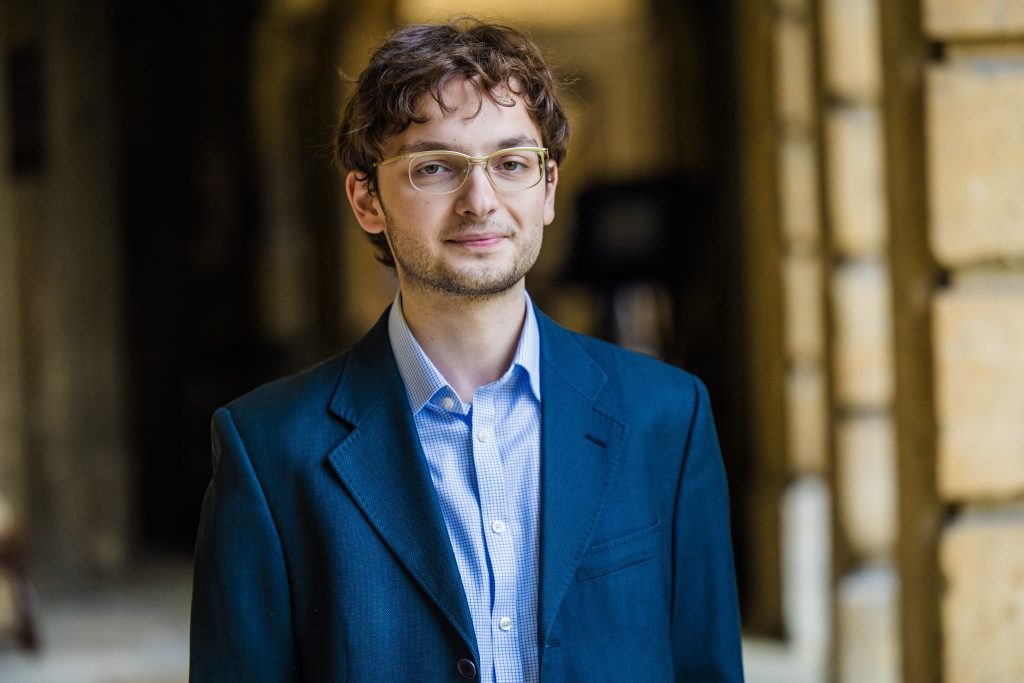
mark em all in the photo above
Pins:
pixel 498 526
pixel 448 403
pixel 483 435
pixel 466 667
pixel 504 623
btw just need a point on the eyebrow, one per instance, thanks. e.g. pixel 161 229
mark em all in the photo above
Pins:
pixel 432 145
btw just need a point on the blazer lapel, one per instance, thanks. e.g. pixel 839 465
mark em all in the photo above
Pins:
pixel 382 465
pixel 580 448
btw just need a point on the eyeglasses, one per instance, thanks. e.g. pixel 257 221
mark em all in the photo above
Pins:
pixel 444 172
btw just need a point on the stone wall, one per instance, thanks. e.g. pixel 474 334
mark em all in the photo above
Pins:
pixel 974 96
pixel 899 256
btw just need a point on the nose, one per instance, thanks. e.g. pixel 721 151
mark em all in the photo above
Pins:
pixel 477 196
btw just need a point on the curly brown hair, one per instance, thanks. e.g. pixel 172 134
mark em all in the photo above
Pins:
pixel 422 59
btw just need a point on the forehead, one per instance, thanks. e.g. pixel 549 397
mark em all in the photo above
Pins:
pixel 475 122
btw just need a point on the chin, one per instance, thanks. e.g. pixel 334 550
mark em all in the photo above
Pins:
pixel 477 289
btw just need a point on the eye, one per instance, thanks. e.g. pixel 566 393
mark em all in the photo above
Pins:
pixel 431 168
pixel 512 164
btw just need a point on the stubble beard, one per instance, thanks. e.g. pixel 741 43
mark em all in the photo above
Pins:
pixel 475 281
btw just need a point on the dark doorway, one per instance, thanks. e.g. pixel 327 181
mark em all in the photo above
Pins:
pixel 191 231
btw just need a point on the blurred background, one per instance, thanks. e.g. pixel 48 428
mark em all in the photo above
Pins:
pixel 814 205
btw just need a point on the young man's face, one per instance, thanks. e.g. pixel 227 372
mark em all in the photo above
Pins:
pixel 477 241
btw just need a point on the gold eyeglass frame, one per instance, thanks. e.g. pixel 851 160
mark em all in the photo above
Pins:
pixel 473 161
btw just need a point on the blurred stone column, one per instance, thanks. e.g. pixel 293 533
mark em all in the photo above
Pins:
pixel 806 527
pixel 12 458
pixel 975 152
pixel 865 476
pixel 68 289
pixel 283 55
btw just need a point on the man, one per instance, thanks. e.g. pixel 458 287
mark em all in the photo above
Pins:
pixel 470 491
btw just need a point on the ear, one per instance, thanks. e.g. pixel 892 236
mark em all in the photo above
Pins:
pixel 365 205
pixel 549 193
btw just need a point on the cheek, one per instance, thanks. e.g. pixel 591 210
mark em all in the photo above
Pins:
pixel 422 205
pixel 412 212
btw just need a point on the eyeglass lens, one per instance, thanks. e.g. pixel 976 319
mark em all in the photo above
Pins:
pixel 443 172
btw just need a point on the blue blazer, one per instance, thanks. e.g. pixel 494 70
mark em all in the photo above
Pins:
pixel 322 554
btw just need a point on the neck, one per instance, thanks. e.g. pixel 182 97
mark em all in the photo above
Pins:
pixel 470 341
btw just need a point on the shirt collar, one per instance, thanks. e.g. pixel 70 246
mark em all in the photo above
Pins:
pixel 423 380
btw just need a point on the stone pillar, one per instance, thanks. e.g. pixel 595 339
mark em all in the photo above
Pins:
pixel 867 605
pixel 68 286
pixel 975 143
pixel 806 531
pixel 294 96
pixel 12 458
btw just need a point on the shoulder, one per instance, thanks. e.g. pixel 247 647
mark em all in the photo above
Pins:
pixel 289 402
pixel 299 399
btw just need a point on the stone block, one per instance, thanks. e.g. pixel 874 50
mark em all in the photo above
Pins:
pixel 807 420
pixel 856 181
pixel 973 18
pixel 982 558
pixel 976 144
pixel 863 347
pixel 794 75
pixel 866 477
pixel 979 376
pixel 868 625
pixel 803 310
pixel 798 189
pixel 853 65
pixel 807 569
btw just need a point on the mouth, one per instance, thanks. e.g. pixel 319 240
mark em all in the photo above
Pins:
pixel 478 240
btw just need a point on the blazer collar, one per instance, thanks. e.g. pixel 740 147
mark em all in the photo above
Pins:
pixel 581 445
pixel 382 465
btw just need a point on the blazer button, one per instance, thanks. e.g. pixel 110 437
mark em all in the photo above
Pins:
pixel 467 669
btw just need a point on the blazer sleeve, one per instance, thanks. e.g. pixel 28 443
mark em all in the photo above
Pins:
pixel 241 627
pixel 705 611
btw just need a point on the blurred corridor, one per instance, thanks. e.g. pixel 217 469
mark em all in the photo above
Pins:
pixel 814 205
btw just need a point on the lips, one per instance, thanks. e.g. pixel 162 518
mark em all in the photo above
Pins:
pixel 478 240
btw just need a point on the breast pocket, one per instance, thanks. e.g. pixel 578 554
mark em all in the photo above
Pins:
pixel 619 553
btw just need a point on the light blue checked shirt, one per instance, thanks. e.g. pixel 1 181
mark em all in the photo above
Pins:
pixel 484 458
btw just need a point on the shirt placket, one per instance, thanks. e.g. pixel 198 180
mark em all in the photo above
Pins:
pixel 498 538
